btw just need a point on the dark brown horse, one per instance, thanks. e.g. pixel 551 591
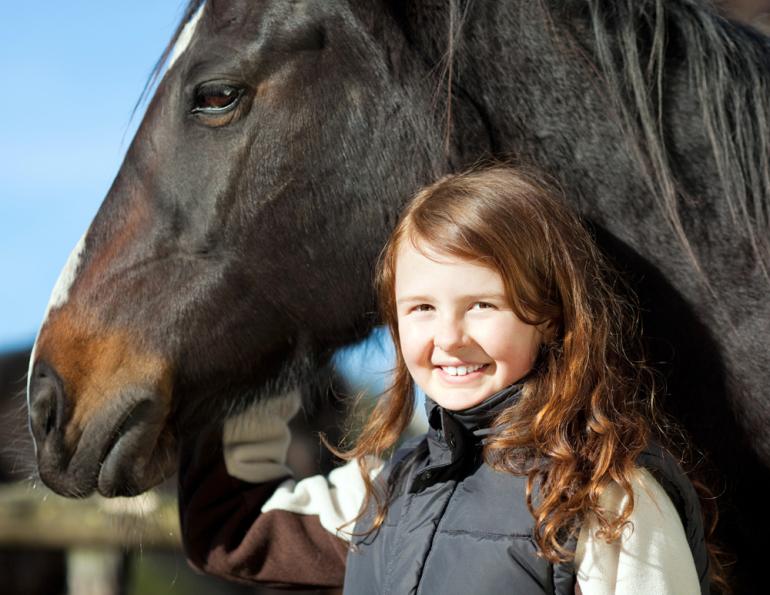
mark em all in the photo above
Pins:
pixel 233 253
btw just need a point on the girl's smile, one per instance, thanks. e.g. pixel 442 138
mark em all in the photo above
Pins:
pixel 460 339
pixel 462 372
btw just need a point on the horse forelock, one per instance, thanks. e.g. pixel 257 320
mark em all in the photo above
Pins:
pixel 728 70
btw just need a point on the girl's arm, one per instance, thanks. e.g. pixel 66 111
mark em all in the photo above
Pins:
pixel 652 556
pixel 243 518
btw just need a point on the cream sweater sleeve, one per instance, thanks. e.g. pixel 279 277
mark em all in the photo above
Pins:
pixel 652 556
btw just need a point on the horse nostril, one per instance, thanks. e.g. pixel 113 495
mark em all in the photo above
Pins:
pixel 46 402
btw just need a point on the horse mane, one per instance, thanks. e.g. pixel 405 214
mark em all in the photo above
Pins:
pixel 727 67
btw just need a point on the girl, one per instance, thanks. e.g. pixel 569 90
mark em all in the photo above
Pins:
pixel 540 472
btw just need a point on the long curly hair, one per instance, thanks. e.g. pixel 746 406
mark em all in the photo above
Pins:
pixel 588 407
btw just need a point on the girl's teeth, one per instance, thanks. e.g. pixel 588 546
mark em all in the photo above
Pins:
pixel 461 370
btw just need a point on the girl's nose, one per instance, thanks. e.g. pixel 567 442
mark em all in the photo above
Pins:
pixel 449 334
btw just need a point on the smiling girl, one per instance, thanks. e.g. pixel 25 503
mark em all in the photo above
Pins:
pixel 541 471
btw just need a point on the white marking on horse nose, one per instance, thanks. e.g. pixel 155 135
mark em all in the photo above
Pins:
pixel 59 295
pixel 61 290
pixel 185 36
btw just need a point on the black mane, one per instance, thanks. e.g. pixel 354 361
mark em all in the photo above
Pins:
pixel 727 66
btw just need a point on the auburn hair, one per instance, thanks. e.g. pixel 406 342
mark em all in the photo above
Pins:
pixel 587 408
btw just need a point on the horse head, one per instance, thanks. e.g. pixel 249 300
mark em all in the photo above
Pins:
pixel 209 274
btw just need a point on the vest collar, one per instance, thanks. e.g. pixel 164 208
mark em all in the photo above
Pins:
pixel 477 417
pixel 454 437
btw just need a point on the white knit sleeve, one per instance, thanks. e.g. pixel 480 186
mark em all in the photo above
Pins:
pixel 255 442
pixel 254 445
pixel 335 498
pixel 652 555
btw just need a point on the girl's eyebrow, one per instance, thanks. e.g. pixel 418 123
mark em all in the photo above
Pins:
pixel 485 296
pixel 413 298
pixel 479 297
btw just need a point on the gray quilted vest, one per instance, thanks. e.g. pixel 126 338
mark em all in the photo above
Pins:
pixel 455 526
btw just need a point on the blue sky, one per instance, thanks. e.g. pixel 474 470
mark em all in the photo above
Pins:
pixel 72 74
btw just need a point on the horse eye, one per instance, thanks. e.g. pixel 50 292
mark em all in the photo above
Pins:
pixel 216 98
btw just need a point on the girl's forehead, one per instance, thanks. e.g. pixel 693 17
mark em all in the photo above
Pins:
pixel 422 267
pixel 416 245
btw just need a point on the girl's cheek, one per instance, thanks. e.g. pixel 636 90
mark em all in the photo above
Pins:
pixel 497 334
pixel 416 343
pixel 510 338
pixel 408 336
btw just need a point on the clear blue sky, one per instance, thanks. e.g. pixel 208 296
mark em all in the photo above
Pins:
pixel 72 72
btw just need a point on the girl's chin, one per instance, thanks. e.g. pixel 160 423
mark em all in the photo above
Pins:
pixel 459 404
pixel 457 400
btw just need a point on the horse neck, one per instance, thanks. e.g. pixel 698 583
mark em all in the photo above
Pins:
pixel 527 70
pixel 515 75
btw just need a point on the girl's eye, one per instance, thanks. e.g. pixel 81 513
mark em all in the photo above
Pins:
pixel 216 98
pixel 482 306
pixel 422 308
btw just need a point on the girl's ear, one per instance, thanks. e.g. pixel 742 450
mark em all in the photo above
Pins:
pixel 548 330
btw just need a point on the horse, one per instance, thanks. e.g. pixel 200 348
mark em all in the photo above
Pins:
pixel 233 254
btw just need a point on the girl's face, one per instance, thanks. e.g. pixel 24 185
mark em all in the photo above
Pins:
pixel 459 336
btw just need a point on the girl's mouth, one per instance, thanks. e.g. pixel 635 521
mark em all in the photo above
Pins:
pixel 463 371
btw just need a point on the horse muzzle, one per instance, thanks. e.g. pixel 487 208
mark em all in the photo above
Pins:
pixel 122 450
